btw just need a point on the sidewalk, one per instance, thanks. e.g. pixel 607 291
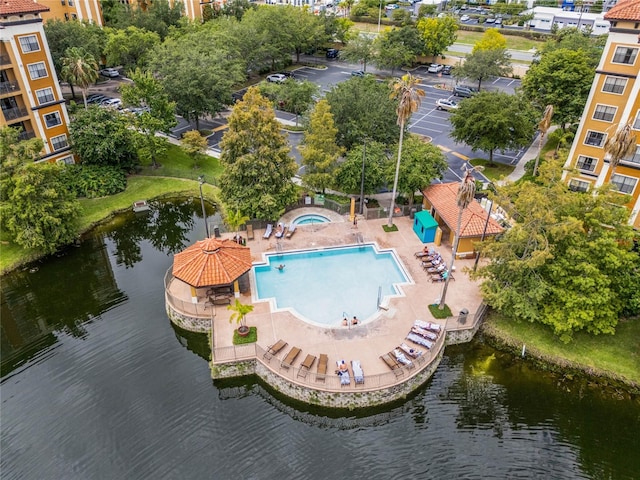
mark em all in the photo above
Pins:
pixel 530 154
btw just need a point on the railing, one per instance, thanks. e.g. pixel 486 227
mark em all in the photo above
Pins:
pixel 9 87
pixel 467 321
pixel 4 60
pixel 14 113
pixel 196 310
pixel 26 135
pixel 329 381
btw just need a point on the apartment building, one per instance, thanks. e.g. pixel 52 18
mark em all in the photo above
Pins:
pixel 30 94
pixel 614 101
pixel 82 10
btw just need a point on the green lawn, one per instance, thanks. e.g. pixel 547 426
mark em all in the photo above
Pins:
pixel 618 354
pixel 493 172
pixel 176 163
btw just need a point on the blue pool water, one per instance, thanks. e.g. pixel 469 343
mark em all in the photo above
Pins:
pixel 310 218
pixel 323 285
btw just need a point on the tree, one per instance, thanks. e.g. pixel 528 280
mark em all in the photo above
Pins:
pixel 620 145
pixel 546 81
pixel 566 262
pixel 305 29
pixel 130 47
pixel 398 47
pixel 492 39
pixel 194 144
pixel 236 8
pixel 255 155
pixel 575 39
pixel 348 176
pixel 79 68
pixel 493 121
pixel 36 208
pixel 427 10
pixel 409 98
pixel 464 197
pixel 438 34
pixel 157 113
pixel 361 107
pixel 484 64
pixel 343 32
pixel 291 96
pixel 360 49
pixel 240 311
pixel 319 149
pixel 100 137
pixel 198 74
pixel 235 219
pixel 421 163
pixel 543 128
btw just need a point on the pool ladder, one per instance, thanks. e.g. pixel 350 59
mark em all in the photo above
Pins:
pixel 359 239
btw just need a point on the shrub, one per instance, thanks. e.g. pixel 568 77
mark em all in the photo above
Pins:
pixel 92 181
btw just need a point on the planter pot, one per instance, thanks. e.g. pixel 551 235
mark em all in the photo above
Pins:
pixel 243 331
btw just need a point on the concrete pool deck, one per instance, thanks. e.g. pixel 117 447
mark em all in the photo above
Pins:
pixel 366 342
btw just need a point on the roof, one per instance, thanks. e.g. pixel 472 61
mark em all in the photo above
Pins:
pixel 442 197
pixel 18 7
pixel 212 262
pixel 624 10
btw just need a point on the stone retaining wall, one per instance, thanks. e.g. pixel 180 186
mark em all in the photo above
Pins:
pixel 192 324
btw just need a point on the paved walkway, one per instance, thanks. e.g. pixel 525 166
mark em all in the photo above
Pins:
pixel 530 154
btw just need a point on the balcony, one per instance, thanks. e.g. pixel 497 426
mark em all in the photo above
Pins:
pixel 8 87
pixel 5 61
pixel 26 135
pixel 14 113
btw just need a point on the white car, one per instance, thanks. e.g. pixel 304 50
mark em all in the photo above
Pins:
pixel 464 18
pixel 109 72
pixel 435 68
pixel 446 104
pixel 392 6
pixel 276 78
pixel 112 103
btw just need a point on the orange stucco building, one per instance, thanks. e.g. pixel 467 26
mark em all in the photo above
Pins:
pixel 30 94
pixel 614 101
pixel 81 10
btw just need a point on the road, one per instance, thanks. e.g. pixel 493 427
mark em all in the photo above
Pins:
pixel 519 55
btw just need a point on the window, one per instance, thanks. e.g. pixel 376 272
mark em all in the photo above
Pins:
pixel 634 157
pixel 624 184
pixel 37 70
pixel 625 55
pixel 59 142
pixel 586 163
pixel 52 119
pixel 63 2
pixel 66 17
pixel 45 96
pixel 74 16
pixel 614 84
pixel 636 122
pixel 604 112
pixel 68 160
pixel 578 185
pixel 29 44
pixel 70 2
pixel 595 139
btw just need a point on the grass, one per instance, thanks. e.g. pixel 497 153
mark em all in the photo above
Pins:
pixel 494 171
pixel 252 337
pixel 617 355
pixel 176 163
pixel 514 42
pixel 440 314
pixel 392 228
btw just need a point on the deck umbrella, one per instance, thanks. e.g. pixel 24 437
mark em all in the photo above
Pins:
pixel 211 262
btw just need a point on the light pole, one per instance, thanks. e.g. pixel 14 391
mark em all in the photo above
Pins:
pixel 379 16
pixel 204 212
pixel 364 153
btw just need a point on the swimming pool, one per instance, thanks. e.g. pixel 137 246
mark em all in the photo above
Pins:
pixel 310 218
pixel 324 286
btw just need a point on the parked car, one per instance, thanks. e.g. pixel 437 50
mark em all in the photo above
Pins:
pixel 96 98
pixel 446 70
pixel 112 103
pixel 109 72
pixel 276 78
pixel 490 20
pixel 464 18
pixel 333 53
pixel 464 91
pixel 358 73
pixel 435 68
pixel 446 104
pixel 392 6
pixel 498 21
pixel 287 74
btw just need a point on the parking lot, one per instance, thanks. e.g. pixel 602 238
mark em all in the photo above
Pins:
pixel 428 121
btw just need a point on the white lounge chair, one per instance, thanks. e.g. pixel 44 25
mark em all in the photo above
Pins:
pixel 358 374
pixel 434 327
pixel 291 230
pixel 280 230
pixel 402 358
pixel 412 352
pixel 425 333
pixel 268 231
pixel 415 338
pixel 343 373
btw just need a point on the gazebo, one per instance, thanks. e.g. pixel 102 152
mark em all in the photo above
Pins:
pixel 211 263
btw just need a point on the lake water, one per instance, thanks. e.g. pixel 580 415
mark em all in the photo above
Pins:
pixel 97 384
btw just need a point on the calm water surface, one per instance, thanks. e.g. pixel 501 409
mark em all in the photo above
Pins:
pixel 97 384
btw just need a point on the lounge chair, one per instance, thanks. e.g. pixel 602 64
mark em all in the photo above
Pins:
pixel 358 374
pixel 434 327
pixel 268 231
pixel 412 352
pixel 415 338
pixel 322 367
pixel 291 230
pixel 290 358
pixel 249 232
pixel 424 333
pixel 402 358
pixel 306 365
pixel 274 349
pixel 280 230
pixel 343 372
pixel 392 363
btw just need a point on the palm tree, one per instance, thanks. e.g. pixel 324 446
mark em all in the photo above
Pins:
pixel 239 314
pixel 466 193
pixel 79 68
pixel 619 146
pixel 543 126
pixel 235 219
pixel 410 98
